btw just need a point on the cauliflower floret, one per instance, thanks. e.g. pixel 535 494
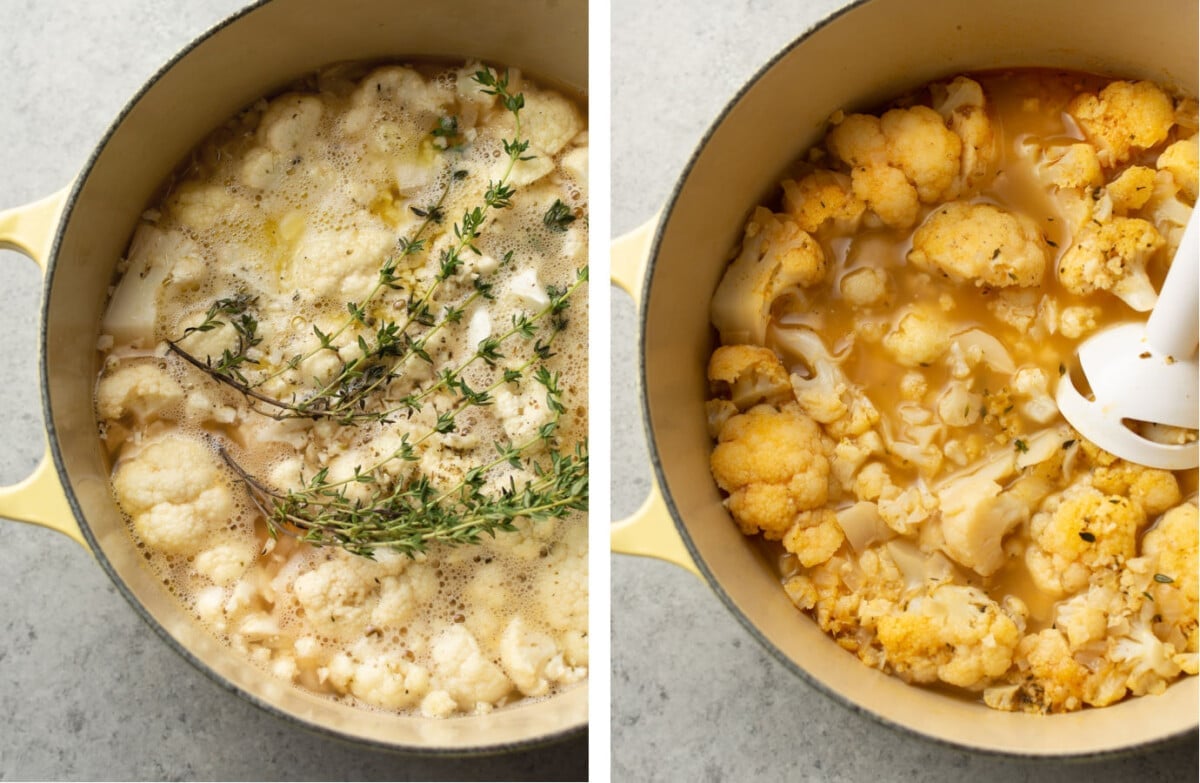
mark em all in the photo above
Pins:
pixel 290 122
pixel 522 414
pixel 337 596
pixel 918 339
pixel 1132 189
pixel 902 509
pixel 1174 543
pixel 775 254
pixel 913 142
pixel 1150 663
pixel 401 595
pixel 1072 166
pixel 1112 257
pixel 1052 679
pixel 865 287
pixel 961 103
pixel 526 655
pixel 772 463
pixel 339 263
pixel 1083 532
pixel 753 374
pixel 1124 117
pixel 224 564
pixel 981 243
pixel 822 197
pixel 1032 385
pixel 1183 161
pixel 1153 489
pixel 822 390
pixel 815 537
pixel 175 494
pixel 461 669
pixel 384 680
pixel 956 634
pixel 143 389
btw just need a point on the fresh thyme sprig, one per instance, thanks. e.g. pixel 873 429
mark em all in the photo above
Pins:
pixel 372 509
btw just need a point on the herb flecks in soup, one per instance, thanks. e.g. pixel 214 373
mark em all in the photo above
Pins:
pixel 343 387
pixel 892 330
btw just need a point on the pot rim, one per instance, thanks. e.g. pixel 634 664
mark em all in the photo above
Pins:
pixel 676 517
pixel 64 219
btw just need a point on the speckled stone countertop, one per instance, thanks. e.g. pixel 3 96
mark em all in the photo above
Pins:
pixel 87 691
pixel 694 696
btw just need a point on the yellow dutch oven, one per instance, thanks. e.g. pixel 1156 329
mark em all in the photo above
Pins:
pixel 78 235
pixel 859 57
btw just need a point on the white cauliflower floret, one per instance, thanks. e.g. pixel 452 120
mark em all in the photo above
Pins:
pixel 549 120
pixel 462 670
pixel 337 596
pixel 1082 532
pixel 143 389
pixel 523 413
pixel 1031 385
pixel 977 515
pixel 822 197
pixel 907 156
pixel 919 338
pixel 956 634
pixel 176 495
pixel 1149 662
pixel 775 254
pixel 1123 118
pixel 1112 257
pixel 961 103
pixel 981 243
pixel 753 375
pixel 224 564
pixel 562 594
pixel 526 655
pixel 402 595
pixel 772 463
pixel 382 679
pixel 132 312
pixel 290 122
pixel 338 263
pixel 821 388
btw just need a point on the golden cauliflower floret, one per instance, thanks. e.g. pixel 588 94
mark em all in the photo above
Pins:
pixel 1132 189
pixel 141 389
pixel 897 160
pixel 1174 543
pixel 815 537
pixel 775 255
pixel 1112 256
pixel 822 197
pixel 955 634
pixel 1051 679
pixel 1153 489
pixel 1074 166
pixel 1087 531
pixel 981 243
pixel 1183 161
pixel 753 374
pixel 962 104
pixel 773 465
pixel 1123 118
pixel 176 495
pixel 865 287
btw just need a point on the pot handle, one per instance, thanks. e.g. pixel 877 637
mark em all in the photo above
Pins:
pixel 39 499
pixel 649 531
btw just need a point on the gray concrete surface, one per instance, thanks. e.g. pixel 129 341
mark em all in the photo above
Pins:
pixel 694 696
pixel 87 691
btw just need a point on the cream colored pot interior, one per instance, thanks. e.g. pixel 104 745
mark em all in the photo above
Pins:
pixel 255 54
pixel 867 54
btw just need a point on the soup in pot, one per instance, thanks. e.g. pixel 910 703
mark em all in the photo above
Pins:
pixel 891 332
pixel 343 387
